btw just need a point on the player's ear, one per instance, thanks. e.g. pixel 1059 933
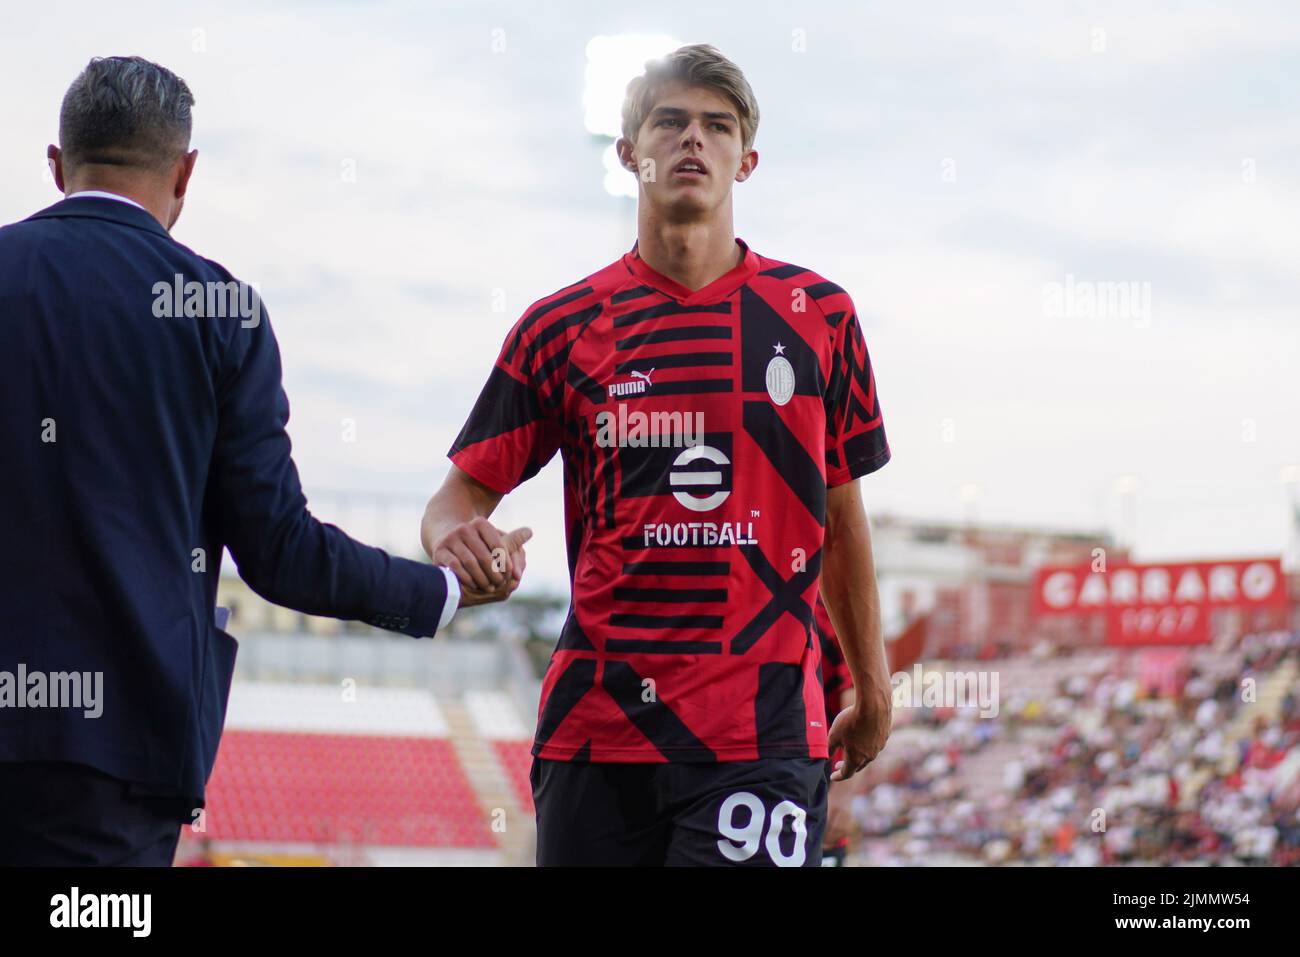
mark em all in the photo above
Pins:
pixel 626 157
pixel 182 170
pixel 748 163
pixel 54 156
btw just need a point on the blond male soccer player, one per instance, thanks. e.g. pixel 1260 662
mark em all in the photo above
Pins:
pixel 714 409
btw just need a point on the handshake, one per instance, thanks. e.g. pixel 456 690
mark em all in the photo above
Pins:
pixel 457 535
pixel 488 563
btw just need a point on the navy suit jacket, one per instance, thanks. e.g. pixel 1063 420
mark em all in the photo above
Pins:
pixel 129 441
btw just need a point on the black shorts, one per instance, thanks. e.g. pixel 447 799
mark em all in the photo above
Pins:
pixel 765 813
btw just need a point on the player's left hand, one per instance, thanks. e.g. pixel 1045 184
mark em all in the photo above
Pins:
pixel 861 730
pixel 514 543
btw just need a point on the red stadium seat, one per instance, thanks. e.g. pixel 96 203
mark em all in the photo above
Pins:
pixel 330 788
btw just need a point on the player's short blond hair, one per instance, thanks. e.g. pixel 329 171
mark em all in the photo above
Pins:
pixel 696 65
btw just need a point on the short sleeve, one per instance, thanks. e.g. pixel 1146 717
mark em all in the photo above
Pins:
pixel 855 431
pixel 513 429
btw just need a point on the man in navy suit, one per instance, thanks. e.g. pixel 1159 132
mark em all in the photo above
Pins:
pixel 142 422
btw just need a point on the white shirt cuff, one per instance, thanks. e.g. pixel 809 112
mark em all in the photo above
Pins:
pixel 453 597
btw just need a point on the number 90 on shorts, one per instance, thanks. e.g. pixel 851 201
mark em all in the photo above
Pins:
pixel 748 828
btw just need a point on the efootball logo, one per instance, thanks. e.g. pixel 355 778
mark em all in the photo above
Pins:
pixel 640 382
pixel 690 474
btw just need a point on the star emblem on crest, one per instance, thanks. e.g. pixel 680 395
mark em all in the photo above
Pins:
pixel 780 349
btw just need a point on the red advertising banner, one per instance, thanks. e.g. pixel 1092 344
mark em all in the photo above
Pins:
pixel 1164 625
pixel 1163 603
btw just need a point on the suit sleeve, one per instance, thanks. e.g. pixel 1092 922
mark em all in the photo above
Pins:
pixel 855 431
pixel 514 428
pixel 259 510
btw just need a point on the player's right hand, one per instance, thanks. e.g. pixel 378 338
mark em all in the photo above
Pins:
pixel 486 561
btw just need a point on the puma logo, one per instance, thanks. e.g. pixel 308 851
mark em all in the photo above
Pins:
pixel 639 385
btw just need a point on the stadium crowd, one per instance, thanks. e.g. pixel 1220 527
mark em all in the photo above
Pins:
pixel 1103 770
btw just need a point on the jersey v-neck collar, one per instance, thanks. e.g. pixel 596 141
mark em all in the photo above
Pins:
pixel 715 291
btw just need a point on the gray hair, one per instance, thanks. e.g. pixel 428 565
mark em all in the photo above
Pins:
pixel 125 111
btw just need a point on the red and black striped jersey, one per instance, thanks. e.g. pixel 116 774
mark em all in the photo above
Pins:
pixel 699 432
pixel 837 680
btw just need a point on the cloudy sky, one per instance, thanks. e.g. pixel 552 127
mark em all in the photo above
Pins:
pixel 390 173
